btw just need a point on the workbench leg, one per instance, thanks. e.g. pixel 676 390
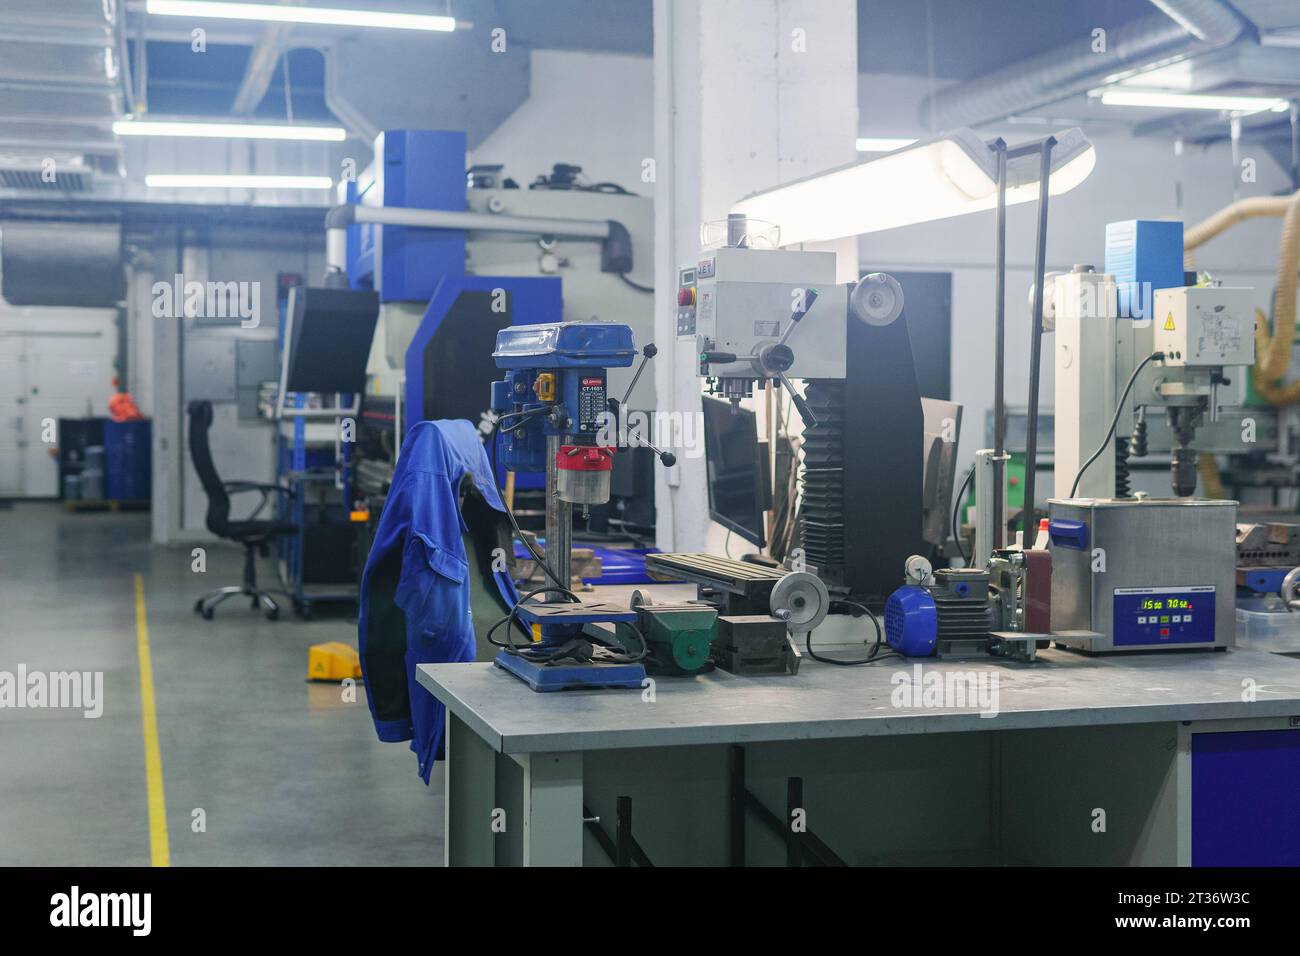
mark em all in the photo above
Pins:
pixel 469 797
pixel 552 809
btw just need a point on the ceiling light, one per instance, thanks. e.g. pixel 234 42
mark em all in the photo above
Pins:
pixel 319 16
pixel 225 181
pixel 1160 99
pixel 137 127
pixel 883 144
pixel 952 175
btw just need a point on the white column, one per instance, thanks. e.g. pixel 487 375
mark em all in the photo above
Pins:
pixel 748 94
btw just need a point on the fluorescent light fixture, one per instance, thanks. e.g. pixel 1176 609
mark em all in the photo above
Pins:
pixel 883 144
pixel 1163 99
pixel 952 175
pixel 319 16
pixel 137 127
pixel 223 181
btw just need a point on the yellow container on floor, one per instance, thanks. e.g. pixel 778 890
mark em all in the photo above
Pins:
pixel 333 661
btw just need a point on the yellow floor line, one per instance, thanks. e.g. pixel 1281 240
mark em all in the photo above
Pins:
pixel 159 849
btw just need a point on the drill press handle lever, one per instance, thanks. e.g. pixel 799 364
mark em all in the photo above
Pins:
pixel 647 353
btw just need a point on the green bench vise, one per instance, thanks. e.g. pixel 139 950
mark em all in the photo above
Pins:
pixel 679 636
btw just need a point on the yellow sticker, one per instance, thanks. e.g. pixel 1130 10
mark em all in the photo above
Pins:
pixel 1169 323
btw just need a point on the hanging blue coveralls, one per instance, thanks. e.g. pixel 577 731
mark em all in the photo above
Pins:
pixel 415 605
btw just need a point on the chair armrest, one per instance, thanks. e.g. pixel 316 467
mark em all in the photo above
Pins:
pixel 236 487
pixel 265 488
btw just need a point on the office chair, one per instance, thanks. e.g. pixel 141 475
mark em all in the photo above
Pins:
pixel 253 534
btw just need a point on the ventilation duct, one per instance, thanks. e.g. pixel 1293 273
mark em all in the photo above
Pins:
pixel 1183 28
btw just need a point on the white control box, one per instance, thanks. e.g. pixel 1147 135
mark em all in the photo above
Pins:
pixel 1202 326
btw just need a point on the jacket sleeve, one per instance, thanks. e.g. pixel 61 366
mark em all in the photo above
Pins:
pixel 381 624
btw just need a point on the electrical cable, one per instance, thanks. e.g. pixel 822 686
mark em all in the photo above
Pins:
pixel 511 620
pixel 512 617
pixel 636 285
pixel 1119 408
pixel 565 651
pixel 961 493
pixel 873 655
pixel 514 522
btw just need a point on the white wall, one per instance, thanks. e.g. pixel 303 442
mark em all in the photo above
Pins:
pixel 1135 178
pixel 592 109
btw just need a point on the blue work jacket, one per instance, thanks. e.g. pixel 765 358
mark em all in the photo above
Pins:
pixel 414 605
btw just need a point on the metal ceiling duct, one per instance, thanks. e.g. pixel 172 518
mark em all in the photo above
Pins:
pixel 1182 28
pixel 66 264
pixel 61 78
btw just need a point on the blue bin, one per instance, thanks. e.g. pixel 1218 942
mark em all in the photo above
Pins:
pixel 127 460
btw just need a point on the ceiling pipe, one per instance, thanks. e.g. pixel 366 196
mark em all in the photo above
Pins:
pixel 1182 28
pixel 338 103
pixel 262 61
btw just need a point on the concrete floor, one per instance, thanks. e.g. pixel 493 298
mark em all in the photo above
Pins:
pixel 285 771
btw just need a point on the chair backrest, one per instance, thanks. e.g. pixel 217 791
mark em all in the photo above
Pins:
pixel 218 517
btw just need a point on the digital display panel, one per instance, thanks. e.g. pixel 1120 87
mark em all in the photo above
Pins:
pixel 1157 616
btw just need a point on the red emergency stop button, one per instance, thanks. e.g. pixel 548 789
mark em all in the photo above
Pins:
pixel 686 295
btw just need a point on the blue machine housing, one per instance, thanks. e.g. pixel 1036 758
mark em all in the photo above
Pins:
pixel 911 621
pixel 448 365
pixel 566 345
pixel 413 169
pixel 1143 255
pixel 577 355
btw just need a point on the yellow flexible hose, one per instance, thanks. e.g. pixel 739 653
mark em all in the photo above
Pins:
pixel 1272 348
pixel 1272 351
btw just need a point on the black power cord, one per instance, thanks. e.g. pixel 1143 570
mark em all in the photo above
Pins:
pixel 873 655
pixel 511 620
pixel 524 418
pixel 636 285
pixel 570 650
pixel 1110 432
pixel 956 508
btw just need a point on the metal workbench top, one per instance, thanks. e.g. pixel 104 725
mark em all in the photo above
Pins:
pixel 1061 689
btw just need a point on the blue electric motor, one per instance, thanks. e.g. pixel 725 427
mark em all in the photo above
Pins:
pixel 952 616
pixel 911 621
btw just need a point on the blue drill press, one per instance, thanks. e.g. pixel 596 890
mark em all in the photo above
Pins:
pixel 553 415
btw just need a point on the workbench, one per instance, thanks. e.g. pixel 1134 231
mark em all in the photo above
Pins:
pixel 1166 758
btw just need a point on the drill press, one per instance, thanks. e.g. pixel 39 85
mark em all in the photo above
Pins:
pixel 554 416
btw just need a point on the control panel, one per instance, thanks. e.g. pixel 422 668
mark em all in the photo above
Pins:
pixel 1154 616
pixel 686 304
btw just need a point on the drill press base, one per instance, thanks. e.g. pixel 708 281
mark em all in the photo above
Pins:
pixel 557 622
pixel 568 676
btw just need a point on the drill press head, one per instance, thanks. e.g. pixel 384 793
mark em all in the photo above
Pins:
pixel 555 387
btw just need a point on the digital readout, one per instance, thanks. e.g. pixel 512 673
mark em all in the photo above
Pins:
pixel 1166 604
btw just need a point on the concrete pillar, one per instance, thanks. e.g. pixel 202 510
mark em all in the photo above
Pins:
pixel 748 94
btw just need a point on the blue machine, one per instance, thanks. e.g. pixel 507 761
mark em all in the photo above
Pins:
pixel 448 362
pixel 1143 255
pixel 414 169
pixel 911 621
pixel 551 408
